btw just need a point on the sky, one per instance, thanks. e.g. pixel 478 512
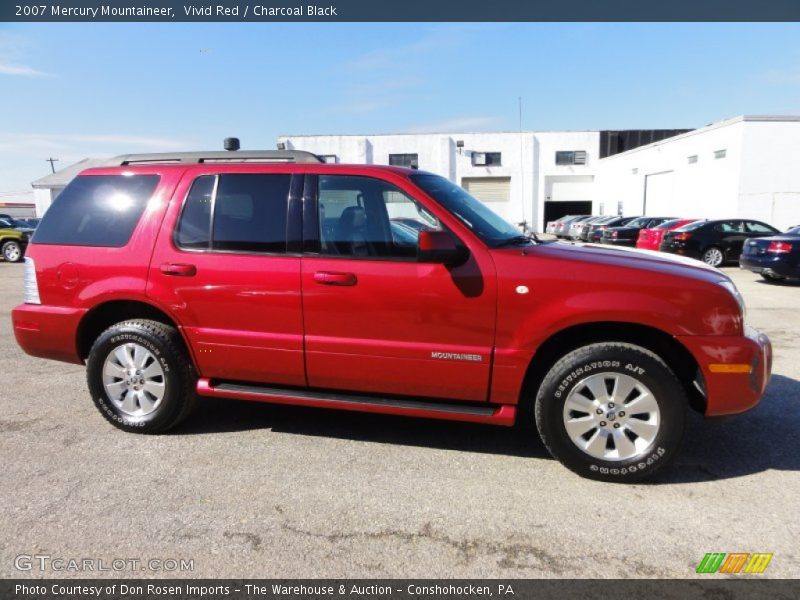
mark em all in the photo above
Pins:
pixel 77 90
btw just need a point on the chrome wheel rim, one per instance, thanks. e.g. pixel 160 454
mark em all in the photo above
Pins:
pixel 12 253
pixel 612 417
pixel 713 257
pixel 134 380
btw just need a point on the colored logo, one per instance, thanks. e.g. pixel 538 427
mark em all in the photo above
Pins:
pixel 741 562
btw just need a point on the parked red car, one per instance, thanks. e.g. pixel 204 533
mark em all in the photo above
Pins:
pixel 274 277
pixel 650 239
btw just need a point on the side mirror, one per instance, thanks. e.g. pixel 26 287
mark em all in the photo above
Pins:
pixel 440 247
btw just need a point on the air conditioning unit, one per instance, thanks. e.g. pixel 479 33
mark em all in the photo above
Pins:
pixel 479 159
pixel 580 157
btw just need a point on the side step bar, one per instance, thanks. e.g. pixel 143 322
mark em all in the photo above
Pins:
pixel 427 408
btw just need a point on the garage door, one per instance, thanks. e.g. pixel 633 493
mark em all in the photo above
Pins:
pixel 659 198
pixel 488 189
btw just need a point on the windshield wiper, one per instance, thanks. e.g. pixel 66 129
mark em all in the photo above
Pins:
pixel 517 240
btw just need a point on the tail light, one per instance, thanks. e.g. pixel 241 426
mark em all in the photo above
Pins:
pixel 779 247
pixel 681 237
pixel 29 283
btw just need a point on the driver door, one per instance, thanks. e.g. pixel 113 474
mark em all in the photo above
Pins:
pixel 375 319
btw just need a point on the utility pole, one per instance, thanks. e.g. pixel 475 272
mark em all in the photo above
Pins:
pixel 52 162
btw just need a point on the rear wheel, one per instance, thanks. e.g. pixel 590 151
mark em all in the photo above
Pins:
pixel 611 411
pixel 12 251
pixel 713 256
pixel 140 376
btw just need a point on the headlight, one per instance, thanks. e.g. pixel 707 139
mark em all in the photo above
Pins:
pixel 731 287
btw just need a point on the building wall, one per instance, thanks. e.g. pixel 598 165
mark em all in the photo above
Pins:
pixel 43 198
pixel 707 188
pixel 770 181
pixel 758 178
pixel 528 160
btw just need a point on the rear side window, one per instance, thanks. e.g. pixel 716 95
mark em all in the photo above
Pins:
pixel 97 210
pixel 245 213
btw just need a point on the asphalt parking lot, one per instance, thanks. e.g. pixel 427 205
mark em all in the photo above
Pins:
pixel 246 489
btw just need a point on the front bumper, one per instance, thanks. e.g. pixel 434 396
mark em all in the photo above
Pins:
pixel 735 369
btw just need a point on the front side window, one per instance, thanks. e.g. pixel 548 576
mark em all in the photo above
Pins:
pixel 97 210
pixel 236 212
pixel 369 218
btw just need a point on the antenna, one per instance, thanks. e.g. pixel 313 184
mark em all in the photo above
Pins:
pixel 522 167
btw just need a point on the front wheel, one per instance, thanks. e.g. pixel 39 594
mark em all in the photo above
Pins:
pixel 140 376
pixel 12 251
pixel 611 411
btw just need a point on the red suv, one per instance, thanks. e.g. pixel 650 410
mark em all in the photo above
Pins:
pixel 274 277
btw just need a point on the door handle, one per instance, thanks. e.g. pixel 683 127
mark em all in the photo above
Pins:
pixel 330 278
pixel 179 270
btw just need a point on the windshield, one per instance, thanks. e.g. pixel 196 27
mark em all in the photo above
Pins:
pixel 794 230
pixel 486 224
pixel 640 222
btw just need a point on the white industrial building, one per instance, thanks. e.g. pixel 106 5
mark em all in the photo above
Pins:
pixel 741 167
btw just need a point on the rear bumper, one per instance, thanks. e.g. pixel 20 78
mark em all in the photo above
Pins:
pixel 680 249
pixel 736 370
pixel 777 264
pixel 48 331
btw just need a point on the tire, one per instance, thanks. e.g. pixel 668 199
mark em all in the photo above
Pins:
pixel 713 256
pixel 653 433
pixel 772 278
pixel 12 251
pixel 125 366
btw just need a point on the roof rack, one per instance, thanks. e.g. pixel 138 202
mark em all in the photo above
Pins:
pixel 239 156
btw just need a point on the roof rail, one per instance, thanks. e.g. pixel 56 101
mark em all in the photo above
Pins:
pixel 215 156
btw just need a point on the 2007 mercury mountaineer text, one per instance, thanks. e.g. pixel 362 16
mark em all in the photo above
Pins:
pixel 275 277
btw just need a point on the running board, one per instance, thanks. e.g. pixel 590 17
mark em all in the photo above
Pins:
pixel 426 408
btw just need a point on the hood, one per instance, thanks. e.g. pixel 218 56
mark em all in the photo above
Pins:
pixel 630 258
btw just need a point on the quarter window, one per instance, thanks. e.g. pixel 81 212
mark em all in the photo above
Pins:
pixel 369 218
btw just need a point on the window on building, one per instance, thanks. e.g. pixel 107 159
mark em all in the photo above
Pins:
pixel 331 159
pixel 249 213
pixel 692 159
pixel 369 218
pixel 404 160
pixel 487 159
pixel 570 157
pixel 720 153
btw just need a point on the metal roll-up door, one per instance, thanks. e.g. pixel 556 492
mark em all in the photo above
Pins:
pixel 488 189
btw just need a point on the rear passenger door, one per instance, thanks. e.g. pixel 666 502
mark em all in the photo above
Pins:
pixel 732 237
pixel 226 267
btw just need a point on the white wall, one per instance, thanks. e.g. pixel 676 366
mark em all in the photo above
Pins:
pixel 759 178
pixel 770 181
pixel 708 188
pixel 43 198
pixel 528 159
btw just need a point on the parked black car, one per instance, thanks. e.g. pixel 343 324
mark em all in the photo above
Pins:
pixel 775 258
pixel 595 230
pixel 625 235
pixel 714 242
